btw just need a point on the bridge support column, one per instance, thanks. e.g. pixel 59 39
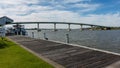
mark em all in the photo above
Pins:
pixel 55 27
pixel 81 27
pixel 69 27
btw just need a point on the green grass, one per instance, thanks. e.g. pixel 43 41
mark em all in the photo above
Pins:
pixel 13 56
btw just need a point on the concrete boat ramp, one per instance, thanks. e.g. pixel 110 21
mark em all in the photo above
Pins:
pixel 67 56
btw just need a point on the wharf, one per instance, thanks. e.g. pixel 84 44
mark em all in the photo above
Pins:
pixel 67 56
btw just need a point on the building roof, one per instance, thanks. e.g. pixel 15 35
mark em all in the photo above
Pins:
pixel 5 20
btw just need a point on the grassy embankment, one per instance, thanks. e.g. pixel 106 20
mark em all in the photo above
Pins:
pixel 13 56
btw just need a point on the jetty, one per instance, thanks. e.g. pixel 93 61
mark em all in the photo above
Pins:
pixel 62 55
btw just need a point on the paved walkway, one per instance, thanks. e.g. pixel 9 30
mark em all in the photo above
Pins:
pixel 67 55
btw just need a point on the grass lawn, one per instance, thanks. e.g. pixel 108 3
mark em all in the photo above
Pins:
pixel 13 56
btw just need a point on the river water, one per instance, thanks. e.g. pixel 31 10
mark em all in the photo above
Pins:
pixel 101 39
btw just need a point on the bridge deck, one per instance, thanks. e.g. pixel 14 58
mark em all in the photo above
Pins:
pixel 67 55
pixel 57 23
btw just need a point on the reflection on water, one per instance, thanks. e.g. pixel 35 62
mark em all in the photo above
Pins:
pixel 102 39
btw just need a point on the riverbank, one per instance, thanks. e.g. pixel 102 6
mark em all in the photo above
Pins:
pixel 13 56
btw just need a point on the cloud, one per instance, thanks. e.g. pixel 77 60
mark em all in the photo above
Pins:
pixel 23 10
pixel 25 7
pixel 75 1
pixel 53 15
pixel 106 19
pixel 86 7
pixel 18 2
pixel 53 10
pixel 79 6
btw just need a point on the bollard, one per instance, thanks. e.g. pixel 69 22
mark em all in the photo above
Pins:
pixel 67 38
pixel 69 27
pixel 17 32
pixel 38 31
pixel 26 34
pixel 55 27
pixel 21 33
pixel 45 36
pixel 32 34
pixel 81 28
pixel 38 35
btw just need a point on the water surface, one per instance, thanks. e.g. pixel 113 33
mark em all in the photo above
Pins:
pixel 101 39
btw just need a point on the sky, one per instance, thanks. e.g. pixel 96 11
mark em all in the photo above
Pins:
pixel 99 12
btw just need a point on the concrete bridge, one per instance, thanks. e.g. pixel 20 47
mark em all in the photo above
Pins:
pixel 68 23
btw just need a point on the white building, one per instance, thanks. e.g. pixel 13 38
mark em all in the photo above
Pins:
pixel 3 21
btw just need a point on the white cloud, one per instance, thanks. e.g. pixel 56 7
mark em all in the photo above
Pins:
pixel 53 15
pixel 81 5
pixel 74 1
pixel 86 7
pixel 24 9
pixel 19 10
pixel 106 19
pixel 18 2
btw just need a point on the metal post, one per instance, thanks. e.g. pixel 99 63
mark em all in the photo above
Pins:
pixel 92 27
pixel 32 34
pixel 45 36
pixel 81 27
pixel 17 32
pixel 38 27
pixel 54 26
pixel 17 29
pixel 38 35
pixel 20 31
pixel 67 38
pixel 69 27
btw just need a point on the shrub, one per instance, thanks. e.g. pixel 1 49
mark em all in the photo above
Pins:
pixel 3 43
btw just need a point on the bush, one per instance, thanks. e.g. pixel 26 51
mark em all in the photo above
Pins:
pixel 3 43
